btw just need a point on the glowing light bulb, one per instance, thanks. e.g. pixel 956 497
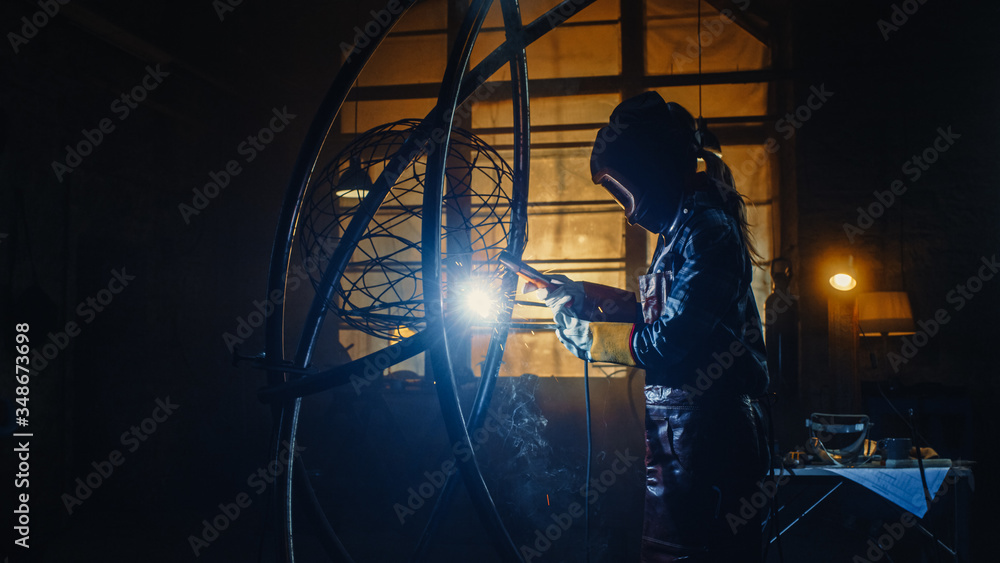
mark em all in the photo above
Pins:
pixel 843 282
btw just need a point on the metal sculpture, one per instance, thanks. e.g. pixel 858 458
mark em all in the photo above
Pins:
pixel 381 292
pixel 289 378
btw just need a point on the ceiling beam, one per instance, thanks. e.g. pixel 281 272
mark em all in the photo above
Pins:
pixel 551 87
pixel 753 23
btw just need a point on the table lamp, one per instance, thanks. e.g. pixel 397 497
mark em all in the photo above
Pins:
pixel 885 313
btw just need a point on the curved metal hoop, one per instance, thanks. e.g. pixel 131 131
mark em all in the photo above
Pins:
pixel 286 385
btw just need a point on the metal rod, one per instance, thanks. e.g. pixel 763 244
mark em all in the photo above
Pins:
pixel 517 241
pixel 808 510
pixel 939 542
pixel 444 378
pixel 285 415
pixel 606 84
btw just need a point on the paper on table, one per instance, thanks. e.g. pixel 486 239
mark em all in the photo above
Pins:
pixel 900 485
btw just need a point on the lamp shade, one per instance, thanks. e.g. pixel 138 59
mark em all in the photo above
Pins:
pixel 885 312
pixel 355 183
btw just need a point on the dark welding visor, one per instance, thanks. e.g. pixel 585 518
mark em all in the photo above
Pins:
pixel 623 196
pixel 615 184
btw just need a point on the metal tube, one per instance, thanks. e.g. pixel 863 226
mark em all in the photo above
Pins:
pixel 285 422
pixel 444 377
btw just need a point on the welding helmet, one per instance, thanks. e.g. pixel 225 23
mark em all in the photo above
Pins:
pixel 645 157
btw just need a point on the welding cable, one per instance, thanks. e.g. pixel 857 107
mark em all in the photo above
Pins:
pixel 590 457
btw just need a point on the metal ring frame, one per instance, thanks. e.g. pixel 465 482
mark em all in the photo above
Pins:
pixel 286 382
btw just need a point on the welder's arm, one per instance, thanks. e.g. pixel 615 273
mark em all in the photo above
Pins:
pixel 588 301
pixel 612 343
pixel 704 289
pixel 597 342
pixel 579 310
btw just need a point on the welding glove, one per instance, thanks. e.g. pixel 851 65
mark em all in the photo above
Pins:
pixel 563 294
pixel 575 306
pixel 597 342
pixel 588 301
pixel 574 333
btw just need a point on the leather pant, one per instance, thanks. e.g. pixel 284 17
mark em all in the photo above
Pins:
pixel 703 456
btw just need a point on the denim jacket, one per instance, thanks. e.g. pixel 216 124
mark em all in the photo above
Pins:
pixel 708 337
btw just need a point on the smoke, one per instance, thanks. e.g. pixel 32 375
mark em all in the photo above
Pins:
pixel 530 476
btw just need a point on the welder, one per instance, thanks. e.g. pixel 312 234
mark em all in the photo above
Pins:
pixel 696 332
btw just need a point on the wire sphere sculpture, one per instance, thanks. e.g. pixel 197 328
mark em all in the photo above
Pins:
pixel 380 292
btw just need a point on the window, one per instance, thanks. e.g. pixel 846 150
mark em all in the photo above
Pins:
pixel 578 75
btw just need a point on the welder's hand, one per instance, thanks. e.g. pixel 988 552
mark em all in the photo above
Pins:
pixel 574 333
pixel 543 292
pixel 564 294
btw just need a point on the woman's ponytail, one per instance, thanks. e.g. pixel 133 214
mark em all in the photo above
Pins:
pixel 735 203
